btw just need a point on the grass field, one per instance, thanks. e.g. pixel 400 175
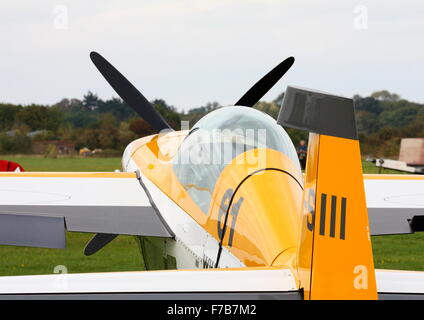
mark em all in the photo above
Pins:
pixel 34 163
pixel 122 254
pixel 369 167
pixel 390 252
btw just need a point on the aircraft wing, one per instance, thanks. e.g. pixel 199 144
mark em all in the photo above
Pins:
pixel 395 203
pixel 37 208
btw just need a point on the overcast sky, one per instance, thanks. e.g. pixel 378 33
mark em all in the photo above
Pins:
pixel 194 51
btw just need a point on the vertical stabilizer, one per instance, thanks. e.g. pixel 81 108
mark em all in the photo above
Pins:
pixel 335 258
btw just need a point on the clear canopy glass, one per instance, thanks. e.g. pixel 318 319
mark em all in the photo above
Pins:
pixel 218 138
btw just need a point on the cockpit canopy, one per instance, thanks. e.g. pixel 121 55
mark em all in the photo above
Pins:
pixel 217 139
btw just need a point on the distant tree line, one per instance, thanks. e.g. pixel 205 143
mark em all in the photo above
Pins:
pixel 91 122
pixel 382 120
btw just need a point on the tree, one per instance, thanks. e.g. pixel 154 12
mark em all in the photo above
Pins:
pixel 69 105
pixel 91 101
pixel 118 108
pixel 40 117
pixel 8 114
pixel 87 138
pixel 195 114
pixel 279 100
pixel 125 135
pixel 16 144
pixel 169 113
pixel 141 128
pixel 366 122
pixel 385 95
pixel 270 108
pixel 398 117
pixel 108 132
pixel 368 104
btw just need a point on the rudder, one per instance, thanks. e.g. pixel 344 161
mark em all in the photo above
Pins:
pixel 335 258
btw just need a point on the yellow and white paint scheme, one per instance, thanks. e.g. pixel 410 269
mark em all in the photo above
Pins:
pixel 269 228
pixel 248 218
pixel 254 237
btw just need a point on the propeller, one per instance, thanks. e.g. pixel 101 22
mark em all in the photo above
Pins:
pixel 129 93
pixel 131 96
pixel 255 93
pixel 98 241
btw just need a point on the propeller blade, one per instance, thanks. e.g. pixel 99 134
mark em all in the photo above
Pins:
pixel 129 93
pixel 97 242
pixel 251 97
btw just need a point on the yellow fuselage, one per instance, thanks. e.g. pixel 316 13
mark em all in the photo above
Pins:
pixel 264 202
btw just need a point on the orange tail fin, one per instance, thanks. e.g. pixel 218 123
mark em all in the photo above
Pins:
pixel 335 258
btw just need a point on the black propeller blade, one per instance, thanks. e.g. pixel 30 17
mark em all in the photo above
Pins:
pixel 251 97
pixel 129 93
pixel 97 242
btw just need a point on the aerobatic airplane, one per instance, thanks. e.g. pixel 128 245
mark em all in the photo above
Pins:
pixel 223 210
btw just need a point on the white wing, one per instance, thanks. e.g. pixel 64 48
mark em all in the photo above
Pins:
pixel 395 203
pixel 36 208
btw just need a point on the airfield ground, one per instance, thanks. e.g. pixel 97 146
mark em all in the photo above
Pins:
pixel 390 252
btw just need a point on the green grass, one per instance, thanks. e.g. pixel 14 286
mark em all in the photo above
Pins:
pixel 37 163
pixel 404 252
pixel 369 167
pixel 122 254
pixel 390 252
